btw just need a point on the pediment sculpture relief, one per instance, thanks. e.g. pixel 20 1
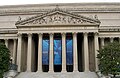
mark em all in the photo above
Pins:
pixel 57 18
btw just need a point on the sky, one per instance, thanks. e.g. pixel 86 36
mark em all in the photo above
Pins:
pixel 21 2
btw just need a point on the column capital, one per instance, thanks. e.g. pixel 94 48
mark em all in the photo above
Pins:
pixel 111 37
pixel 85 33
pixel 74 33
pixel 51 34
pixel 14 39
pixel 19 34
pixel 102 37
pixel 96 33
pixel 63 33
pixel 29 34
pixel 6 39
pixel 40 33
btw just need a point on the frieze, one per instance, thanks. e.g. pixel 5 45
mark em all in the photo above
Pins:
pixel 110 30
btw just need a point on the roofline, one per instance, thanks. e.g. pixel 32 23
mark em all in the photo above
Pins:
pixel 61 4
pixel 79 7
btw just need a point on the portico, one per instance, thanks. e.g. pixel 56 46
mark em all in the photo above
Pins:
pixel 62 24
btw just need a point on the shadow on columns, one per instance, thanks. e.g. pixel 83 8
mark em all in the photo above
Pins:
pixel 80 51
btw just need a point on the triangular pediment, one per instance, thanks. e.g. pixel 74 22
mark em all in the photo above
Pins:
pixel 58 17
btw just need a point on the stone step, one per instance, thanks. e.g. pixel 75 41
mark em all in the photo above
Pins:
pixel 57 75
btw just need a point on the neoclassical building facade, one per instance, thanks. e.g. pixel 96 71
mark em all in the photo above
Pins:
pixel 58 37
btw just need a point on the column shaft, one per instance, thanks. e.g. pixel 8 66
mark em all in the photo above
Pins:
pixel 75 58
pixel 40 52
pixel 19 51
pixel 63 52
pixel 51 69
pixel 14 51
pixel 102 42
pixel 96 43
pixel 6 42
pixel 29 53
pixel 86 54
pixel 111 39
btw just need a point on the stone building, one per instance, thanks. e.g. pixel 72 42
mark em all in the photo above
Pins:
pixel 58 37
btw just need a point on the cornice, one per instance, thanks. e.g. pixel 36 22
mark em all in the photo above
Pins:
pixel 42 8
pixel 109 29
pixel 8 30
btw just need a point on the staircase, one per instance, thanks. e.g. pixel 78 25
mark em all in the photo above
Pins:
pixel 57 75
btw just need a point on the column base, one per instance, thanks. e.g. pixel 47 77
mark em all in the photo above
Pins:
pixel 63 71
pixel 86 70
pixel 50 71
pixel 39 71
pixel 97 70
pixel 28 71
pixel 75 71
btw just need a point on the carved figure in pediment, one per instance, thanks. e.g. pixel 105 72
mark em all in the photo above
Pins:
pixel 19 18
pixel 59 18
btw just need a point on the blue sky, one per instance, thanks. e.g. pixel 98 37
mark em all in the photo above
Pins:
pixel 19 2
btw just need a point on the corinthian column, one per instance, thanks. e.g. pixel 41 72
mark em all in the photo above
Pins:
pixel 14 51
pixel 86 54
pixel 19 51
pixel 75 58
pixel 29 53
pixel 63 52
pixel 51 68
pixel 102 42
pixel 111 39
pixel 96 49
pixel 40 52
pixel 6 42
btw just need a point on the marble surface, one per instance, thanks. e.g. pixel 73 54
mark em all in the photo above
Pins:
pixel 57 75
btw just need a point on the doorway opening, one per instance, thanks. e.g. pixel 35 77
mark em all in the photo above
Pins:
pixel 69 52
pixel 57 52
pixel 80 51
pixel 45 53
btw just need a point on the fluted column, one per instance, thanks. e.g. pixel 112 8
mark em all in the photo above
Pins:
pixel 29 53
pixel 75 58
pixel 6 42
pixel 96 49
pixel 51 64
pixel 86 54
pixel 63 52
pixel 19 51
pixel 39 52
pixel 111 39
pixel 14 51
pixel 102 42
